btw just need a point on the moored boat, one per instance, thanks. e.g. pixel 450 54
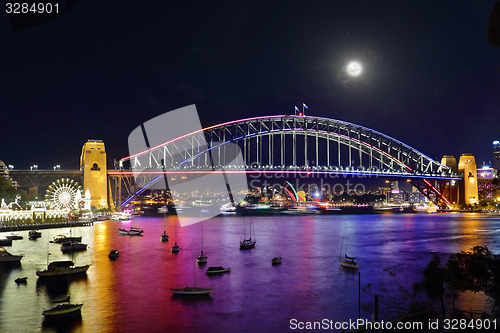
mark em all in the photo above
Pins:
pixel 7 257
pixel 5 242
pixel 191 291
pixel 73 247
pixel 175 248
pixel 202 259
pixel 62 268
pixel 164 237
pixel 62 309
pixel 348 262
pixel 114 254
pixel 217 270
pixel 247 243
pixel 133 231
pixel 34 234
pixel 276 261
pixel 21 280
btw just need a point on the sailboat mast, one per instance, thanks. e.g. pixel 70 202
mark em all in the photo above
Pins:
pixel 201 236
pixel 244 229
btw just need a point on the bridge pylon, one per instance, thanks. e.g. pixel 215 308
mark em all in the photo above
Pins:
pixel 95 177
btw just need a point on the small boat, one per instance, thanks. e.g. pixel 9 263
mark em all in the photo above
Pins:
pixel 14 237
pixel 175 248
pixel 62 268
pixel 34 234
pixel 114 254
pixel 202 259
pixel 348 262
pixel 247 244
pixel 276 261
pixel 217 270
pixel 191 291
pixel 7 257
pixel 62 239
pixel 21 280
pixel 73 247
pixel 62 309
pixel 5 242
pixel 133 231
pixel 164 237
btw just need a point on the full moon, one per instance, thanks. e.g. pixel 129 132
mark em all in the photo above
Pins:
pixel 354 68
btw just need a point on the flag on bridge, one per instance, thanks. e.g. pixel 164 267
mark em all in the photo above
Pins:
pixel 296 109
pixel 304 106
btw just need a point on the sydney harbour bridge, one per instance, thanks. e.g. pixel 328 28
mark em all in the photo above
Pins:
pixel 284 144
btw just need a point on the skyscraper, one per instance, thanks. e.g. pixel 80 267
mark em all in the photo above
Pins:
pixel 496 155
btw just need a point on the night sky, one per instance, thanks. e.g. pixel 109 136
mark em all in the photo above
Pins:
pixel 429 77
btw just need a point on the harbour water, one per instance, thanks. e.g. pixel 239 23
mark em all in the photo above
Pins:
pixel 132 293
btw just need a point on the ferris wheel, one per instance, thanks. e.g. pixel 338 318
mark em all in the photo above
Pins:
pixel 63 193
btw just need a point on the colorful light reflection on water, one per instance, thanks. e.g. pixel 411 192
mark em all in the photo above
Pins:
pixel 132 293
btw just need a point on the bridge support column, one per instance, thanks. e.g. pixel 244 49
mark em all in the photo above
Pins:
pixel 468 191
pixel 95 177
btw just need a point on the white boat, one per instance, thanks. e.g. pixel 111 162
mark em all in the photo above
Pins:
pixel 133 231
pixel 217 270
pixel 7 257
pixel 34 234
pixel 62 309
pixel 73 247
pixel 62 268
pixel 276 261
pixel 191 291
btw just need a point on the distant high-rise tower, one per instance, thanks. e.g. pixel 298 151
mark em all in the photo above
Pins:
pixel 95 173
pixel 496 155
pixel 469 191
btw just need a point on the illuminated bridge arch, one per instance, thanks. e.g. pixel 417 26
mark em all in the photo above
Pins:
pixel 289 143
